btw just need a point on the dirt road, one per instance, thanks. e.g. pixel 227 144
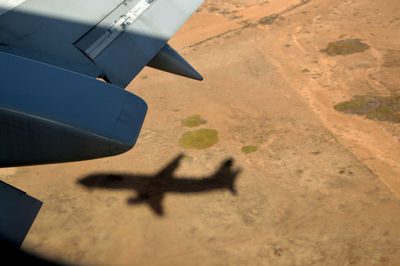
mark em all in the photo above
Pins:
pixel 314 185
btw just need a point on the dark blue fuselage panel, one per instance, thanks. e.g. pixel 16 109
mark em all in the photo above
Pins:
pixel 49 114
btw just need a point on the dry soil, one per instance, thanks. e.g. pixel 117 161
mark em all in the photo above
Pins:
pixel 317 186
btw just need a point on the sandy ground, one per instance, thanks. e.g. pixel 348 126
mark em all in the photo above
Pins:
pixel 322 188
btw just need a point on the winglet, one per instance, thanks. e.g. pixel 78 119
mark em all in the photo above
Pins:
pixel 169 60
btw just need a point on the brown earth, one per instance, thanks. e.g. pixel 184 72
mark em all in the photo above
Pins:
pixel 317 187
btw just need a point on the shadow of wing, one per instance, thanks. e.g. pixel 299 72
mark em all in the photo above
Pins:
pixel 153 199
pixel 169 169
pixel 156 205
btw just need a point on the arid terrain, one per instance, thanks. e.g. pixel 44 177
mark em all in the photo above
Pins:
pixel 300 103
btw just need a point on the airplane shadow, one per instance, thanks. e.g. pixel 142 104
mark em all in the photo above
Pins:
pixel 151 189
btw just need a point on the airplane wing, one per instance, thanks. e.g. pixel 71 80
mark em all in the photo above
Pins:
pixel 18 211
pixel 112 39
pixel 52 107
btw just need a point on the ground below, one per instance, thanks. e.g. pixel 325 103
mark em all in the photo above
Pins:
pixel 316 169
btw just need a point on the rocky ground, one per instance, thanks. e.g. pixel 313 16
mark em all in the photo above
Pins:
pixel 299 105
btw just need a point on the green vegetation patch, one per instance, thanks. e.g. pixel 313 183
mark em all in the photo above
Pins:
pixel 345 47
pixel 193 121
pixel 373 107
pixel 268 20
pixel 199 139
pixel 188 158
pixel 249 149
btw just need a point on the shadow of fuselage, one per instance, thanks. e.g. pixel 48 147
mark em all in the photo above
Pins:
pixel 151 189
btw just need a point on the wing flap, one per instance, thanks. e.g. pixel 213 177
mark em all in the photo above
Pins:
pixel 126 40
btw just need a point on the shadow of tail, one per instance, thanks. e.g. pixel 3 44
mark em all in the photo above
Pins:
pixel 231 184
pixel 226 176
